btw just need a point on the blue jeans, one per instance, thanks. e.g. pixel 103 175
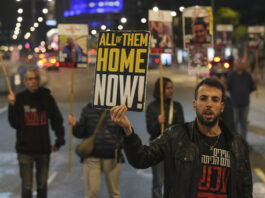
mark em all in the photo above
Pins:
pixel 158 180
pixel 26 165
pixel 241 120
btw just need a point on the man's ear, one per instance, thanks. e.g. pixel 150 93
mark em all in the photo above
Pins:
pixel 194 105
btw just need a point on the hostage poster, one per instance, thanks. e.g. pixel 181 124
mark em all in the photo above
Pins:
pixel 73 45
pixel 121 68
pixel 197 27
pixel 256 37
pixel 160 26
pixel 224 35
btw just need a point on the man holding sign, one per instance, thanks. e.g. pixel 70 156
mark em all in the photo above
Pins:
pixel 202 158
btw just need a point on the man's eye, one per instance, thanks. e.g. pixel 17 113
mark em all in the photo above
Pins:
pixel 216 99
pixel 203 98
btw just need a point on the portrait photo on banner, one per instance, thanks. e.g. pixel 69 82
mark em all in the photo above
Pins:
pixel 197 27
pixel 73 41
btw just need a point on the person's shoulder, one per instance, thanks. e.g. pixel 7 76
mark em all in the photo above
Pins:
pixel 153 103
pixel 22 94
pixel 88 106
pixel 178 130
pixel 44 91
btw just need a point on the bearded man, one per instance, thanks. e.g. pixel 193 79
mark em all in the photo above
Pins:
pixel 203 158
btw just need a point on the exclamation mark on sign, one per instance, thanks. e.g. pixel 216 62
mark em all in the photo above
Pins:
pixel 141 86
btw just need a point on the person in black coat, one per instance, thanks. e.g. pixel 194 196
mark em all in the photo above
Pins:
pixel 29 112
pixel 173 114
pixel 106 155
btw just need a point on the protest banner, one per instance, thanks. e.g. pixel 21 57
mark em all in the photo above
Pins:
pixel 73 45
pixel 121 68
pixel 256 37
pixel 198 61
pixel 197 27
pixel 224 35
pixel 256 42
pixel 160 26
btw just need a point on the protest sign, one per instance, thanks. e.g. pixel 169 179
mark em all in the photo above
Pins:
pixel 224 35
pixel 198 61
pixel 197 26
pixel 256 37
pixel 121 67
pixel 73 45
pixel 160 26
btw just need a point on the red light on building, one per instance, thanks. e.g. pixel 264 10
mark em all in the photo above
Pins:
pixel 157 60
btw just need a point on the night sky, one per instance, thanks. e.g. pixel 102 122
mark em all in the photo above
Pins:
pixel 252 11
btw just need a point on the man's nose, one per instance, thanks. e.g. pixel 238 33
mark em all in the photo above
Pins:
pixel 209 102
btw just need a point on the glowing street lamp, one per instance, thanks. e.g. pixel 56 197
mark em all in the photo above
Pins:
pixel 123 20
pixel 155 8
pixel 143 20
pixel 173 13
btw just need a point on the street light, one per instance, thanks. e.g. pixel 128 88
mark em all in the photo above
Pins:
pixel 155 8
pixel 40 19
pixel 103 27
pixel 36 24
pixel 181 8
pixel 32 29
pixel 143 20
pixel 173 13
pixel 20 11
pixel 44 10
pixel 120 27
pixel 123 20
pixel 19 19
pixel 93 32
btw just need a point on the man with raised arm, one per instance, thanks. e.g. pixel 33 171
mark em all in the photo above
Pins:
pixel 203 158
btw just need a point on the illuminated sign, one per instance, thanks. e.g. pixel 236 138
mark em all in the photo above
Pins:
pixel 94 6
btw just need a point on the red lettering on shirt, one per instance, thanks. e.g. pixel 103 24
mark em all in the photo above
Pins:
pixel 35 118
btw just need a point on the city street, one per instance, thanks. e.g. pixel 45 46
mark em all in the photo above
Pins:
pixel 133 183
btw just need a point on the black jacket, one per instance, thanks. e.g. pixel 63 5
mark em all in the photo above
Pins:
pixel 179 149
pixel 107 139
pixel 152 112
pixel 30 116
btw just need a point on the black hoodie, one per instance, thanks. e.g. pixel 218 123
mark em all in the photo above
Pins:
pixel 30 116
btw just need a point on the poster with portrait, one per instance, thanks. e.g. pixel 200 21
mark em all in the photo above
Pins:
pixel 197 27
pixel 73 45
pixel 224 35
pixel 256 37
pixel 160 26
pixel 121 68
pixel 198 60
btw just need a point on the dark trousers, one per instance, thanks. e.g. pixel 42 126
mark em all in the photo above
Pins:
pixel 241 120
pixel 158 180
pixel 26 165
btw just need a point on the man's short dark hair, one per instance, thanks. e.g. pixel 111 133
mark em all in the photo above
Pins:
pixel 211 83
pixel 156 92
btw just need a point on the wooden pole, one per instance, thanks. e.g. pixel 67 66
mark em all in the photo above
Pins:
pixel 257 71
pixel 5 74
pixel 71 112
pixel 161 95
